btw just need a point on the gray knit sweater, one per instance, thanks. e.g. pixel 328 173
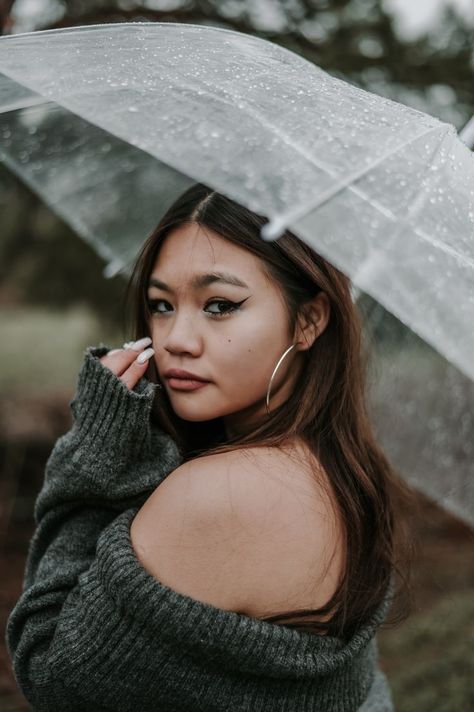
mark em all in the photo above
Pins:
pixel 94 631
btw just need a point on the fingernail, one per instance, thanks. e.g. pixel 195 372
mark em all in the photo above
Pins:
pixel 140 344
pixel 145 355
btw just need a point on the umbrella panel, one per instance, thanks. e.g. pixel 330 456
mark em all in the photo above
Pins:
pixel 422 410
pixel 110 192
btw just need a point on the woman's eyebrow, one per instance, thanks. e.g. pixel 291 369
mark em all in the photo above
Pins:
pixel 202 280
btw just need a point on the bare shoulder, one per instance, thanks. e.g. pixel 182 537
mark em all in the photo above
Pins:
pixel 234 528
pixel 244 484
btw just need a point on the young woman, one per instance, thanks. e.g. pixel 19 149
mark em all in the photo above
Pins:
pixel 255 549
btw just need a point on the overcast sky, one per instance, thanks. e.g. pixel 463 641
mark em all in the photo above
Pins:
pixel 416 16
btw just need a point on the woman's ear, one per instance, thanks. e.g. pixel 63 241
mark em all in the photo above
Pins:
pixel 312 321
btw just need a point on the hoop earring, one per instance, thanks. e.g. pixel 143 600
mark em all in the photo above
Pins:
pixel 273 375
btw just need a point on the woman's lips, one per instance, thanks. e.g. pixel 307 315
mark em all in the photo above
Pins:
pixel 186 384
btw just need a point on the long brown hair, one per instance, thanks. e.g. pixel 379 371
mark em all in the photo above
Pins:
pixel 327 410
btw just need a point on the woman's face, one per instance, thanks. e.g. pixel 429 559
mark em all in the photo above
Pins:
pixel 231 335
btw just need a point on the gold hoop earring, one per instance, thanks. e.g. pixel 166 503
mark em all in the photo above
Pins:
pixel 273 375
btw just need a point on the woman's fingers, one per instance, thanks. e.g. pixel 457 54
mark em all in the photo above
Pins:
pixel 137 368
pixel 129 363
pixel 118 360
pixel 137 345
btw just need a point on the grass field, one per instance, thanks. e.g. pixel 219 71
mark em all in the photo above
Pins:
pixel 429 660
pixel 41 351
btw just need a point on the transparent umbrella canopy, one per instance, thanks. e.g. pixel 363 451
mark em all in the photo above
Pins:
pixel 110 123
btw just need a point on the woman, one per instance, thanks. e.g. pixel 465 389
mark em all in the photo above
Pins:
pixel 227 541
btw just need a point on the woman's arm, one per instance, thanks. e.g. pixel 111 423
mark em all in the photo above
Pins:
pixel 110 461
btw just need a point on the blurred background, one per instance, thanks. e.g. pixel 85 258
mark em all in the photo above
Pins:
pixel 55 299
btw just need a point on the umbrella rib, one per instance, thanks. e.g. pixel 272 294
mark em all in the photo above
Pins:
pixel 277 225
pixel 23 104
pixel 414 209
pixel 445 248
pixel 364 269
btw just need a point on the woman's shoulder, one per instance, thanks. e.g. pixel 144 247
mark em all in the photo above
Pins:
pixel 257 511
pixel 292 469
pixel 252 480
pixel 256 470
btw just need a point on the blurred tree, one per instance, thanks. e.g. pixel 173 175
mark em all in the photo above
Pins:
pixel 6 21
pixel 43 262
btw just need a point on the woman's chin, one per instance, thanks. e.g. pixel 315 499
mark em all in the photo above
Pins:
pixel 194 413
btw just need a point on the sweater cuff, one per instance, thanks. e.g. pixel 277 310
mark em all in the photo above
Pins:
pixel 107 414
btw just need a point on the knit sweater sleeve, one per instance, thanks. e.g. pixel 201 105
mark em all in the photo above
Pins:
pixel 109 461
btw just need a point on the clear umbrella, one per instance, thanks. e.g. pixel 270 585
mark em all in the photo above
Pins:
pixel 109 123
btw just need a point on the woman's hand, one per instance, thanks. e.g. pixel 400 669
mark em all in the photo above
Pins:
pixel 130 362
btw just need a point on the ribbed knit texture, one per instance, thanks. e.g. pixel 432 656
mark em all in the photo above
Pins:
pixel 94 631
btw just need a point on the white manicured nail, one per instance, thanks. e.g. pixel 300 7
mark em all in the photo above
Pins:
pixel 145 355
pixel 141 343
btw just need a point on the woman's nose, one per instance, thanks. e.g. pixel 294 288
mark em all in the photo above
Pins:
pixel 182 335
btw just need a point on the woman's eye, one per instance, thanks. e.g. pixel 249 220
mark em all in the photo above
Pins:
pixel 228 306
pixel 152 305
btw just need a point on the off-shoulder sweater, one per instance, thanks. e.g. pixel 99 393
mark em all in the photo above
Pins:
pixel 94 631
